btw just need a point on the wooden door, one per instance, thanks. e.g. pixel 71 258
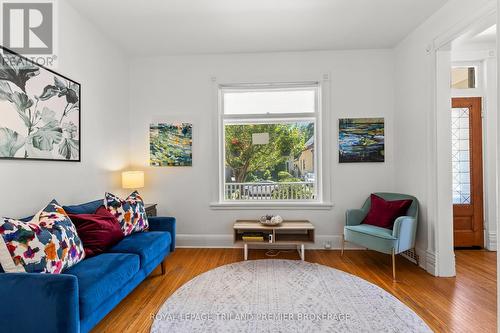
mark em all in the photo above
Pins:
pixel 467 165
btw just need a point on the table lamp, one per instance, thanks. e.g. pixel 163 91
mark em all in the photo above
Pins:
pixel 133 179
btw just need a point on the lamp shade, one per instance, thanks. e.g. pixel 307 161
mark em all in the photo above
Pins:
pixel 133 179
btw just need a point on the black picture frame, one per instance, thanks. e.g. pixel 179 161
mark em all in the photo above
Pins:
pixel 4 51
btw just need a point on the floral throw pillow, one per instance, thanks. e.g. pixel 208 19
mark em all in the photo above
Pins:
pixel 46 244
pixel 130 212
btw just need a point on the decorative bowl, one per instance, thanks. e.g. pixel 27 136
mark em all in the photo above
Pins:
pixel 270 220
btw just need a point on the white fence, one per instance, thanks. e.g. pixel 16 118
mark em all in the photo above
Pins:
pixel 270 191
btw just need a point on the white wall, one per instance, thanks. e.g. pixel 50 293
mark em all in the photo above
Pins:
pixel 413 108
pixel 180 88
pixel 85 56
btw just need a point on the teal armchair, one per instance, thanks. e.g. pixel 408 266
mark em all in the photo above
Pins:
pixel 393 242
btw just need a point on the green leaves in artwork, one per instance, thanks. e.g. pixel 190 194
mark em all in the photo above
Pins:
pixel 22 102
pixel 47 136
pixel 48 92
pixel 49 132
pixel 15 69
pixel 60 89
pixel 69 148
pixel 10 142
pixel 5 92
pixel 47 115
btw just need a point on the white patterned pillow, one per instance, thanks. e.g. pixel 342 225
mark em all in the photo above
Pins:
pixel 131 212
pixel 46 244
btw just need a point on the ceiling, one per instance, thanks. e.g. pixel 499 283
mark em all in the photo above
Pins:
pixel 164 27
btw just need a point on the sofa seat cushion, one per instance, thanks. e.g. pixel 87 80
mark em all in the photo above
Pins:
pixel 101 276
pixel 148 245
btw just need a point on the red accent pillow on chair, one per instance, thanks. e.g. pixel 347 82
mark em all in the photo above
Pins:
pixel 98 232
pixel 383 213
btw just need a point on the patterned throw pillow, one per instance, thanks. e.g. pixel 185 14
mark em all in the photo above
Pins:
pixel 46 244
pixel 130 212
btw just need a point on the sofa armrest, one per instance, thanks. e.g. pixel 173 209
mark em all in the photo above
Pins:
pixel 50 299
pixel 404 229
pixel 354 216
pixel 158 223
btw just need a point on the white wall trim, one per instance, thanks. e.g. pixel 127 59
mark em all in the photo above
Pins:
pixel 431 263
pixel 471 20
pixel 491 241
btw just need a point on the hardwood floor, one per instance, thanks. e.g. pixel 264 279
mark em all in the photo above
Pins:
pixel 466 303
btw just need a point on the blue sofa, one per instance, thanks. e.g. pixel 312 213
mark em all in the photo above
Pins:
pixel 78 299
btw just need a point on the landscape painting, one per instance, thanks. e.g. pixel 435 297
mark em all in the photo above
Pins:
pixel 39 111
pixel 171 144
pixel 361 140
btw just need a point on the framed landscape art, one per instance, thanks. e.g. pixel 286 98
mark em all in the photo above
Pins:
pixel 39 111
pixel 361 140
pixel 170 144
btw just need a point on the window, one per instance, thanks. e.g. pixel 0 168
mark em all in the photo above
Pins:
pixel 268 144
pixel 464 77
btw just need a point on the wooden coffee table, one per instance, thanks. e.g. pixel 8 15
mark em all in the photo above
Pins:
pixel 289 232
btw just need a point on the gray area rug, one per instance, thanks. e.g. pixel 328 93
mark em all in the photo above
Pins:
pixel 283 296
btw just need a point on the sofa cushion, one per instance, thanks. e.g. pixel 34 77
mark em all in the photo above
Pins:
pixel 130 212
pixel 48 243
pixel 85 208
pixel 101 276
pixel 148 245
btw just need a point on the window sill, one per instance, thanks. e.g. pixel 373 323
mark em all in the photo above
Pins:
pixel 271 205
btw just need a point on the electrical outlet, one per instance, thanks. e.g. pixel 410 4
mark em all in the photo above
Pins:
pixel 328 245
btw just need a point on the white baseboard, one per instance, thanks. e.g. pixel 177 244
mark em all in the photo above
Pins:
pixel 491 241
pixel 430 262
pixel 433 267
pixel 226 241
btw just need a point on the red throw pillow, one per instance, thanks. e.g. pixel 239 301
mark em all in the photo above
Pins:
pixel 98 232
pixel 383 213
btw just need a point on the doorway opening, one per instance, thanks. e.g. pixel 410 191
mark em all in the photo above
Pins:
pixel 473 121
pixel 466 75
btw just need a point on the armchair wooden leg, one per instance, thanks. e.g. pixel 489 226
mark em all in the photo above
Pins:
pixel 342 246
pixel 393 265
pixel 163 268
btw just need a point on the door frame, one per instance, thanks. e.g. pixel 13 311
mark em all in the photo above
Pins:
pixel 440 257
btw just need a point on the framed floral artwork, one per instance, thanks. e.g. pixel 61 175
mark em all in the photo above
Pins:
pixel 39 111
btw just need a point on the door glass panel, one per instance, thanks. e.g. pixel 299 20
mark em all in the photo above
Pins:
pixel 460 153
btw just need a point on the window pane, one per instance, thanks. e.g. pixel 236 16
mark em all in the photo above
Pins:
pixel 272 161
pixel 269 101
pixel 463 77
pixel 460 155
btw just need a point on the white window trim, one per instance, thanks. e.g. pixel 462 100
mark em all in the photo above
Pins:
pixel 322 136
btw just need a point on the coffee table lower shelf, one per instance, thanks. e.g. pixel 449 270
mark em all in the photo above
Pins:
pixel 300 248
pixel 288 233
